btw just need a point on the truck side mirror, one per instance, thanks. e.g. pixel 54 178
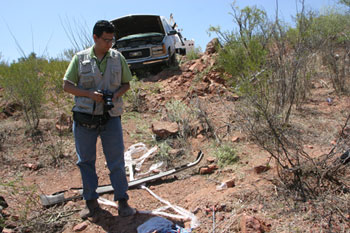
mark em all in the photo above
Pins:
pixel 172 32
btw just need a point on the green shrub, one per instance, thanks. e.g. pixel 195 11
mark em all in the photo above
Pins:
pixel 54 72
pixel 194 54
pixel 25 83
pixel 180 113
pixel 226 155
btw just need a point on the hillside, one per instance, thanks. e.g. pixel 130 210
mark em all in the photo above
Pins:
pixel 253 202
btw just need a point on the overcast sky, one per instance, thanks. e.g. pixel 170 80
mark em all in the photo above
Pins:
pixel 37 24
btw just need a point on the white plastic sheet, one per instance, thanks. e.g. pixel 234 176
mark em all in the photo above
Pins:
pixel 183 214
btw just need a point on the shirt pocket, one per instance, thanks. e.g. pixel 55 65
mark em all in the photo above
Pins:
pixel 85 67
pixel 115 76
pixel 87 82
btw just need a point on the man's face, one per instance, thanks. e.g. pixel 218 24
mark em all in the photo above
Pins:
pixel 104 42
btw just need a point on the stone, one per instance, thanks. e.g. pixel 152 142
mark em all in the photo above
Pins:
pixel 250 224
pixel 213 166
pixel 6 230
pixel 198 66
pixel 164 129
pixel 80 227
pixel 260 169
pixel 211 159
pixel 156 171
pixel 32 166
pixel 205 170
pixel 230 183
pixel 3 202
pixel 212 46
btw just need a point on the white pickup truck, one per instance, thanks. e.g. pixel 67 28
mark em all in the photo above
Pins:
pixel 145 40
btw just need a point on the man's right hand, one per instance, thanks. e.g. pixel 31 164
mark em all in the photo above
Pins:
pixel 96 96
pixel 74 90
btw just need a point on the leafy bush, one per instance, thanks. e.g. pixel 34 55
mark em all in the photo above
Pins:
pixel 25 83
pixel 180 113
pixel 226 155
pixel 135 98
pixel 332 34
pixel 194 54
pixel 54 72
pixel 271 67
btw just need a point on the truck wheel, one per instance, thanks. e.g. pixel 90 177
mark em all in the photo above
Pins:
pixel 171 60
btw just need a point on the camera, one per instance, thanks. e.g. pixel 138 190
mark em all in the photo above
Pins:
pixel 107 98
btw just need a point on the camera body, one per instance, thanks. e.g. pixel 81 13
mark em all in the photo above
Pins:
pixel 107 98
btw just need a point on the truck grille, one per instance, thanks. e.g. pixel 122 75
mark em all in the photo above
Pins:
pixel 134 54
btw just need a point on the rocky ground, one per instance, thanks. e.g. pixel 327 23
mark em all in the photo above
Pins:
pixel 233 198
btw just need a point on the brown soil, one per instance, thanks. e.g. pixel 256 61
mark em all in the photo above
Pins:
pixel 253 194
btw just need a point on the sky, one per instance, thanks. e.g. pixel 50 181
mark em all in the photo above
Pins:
pixel 38 25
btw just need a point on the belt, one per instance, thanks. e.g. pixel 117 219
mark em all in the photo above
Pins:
pixel 89 126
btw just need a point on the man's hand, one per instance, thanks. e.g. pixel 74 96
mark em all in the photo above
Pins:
pixel 74 90
pixel 96 96
pixel 123 88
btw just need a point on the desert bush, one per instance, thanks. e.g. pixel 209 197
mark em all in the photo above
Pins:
pixel 271 67
pixel 54 72
pixel 194 54
pixel 180 113
pixel 332 33
pixel 344 2
pixel 134 97
pixel 226 154
pixel 24 197
pixel 200 111
pixel 28 214
pixel 265 66
pixel 24 82
pixel 163 151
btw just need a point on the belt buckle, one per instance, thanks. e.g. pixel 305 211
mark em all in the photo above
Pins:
pixel 89 126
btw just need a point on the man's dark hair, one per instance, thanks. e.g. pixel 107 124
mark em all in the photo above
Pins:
pixel 103 26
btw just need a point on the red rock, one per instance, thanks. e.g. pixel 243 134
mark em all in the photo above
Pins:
pixel 156 171
pixel 6 230
pixel 80 227
pixel 205 170
pixel 213 166
pixel 211 159
pixel 230 183
pixel 212 46
pixel 249 224
pixel 235 139
pixel 164 129
pixel 198 66
pixel 31 166
pixel 261 169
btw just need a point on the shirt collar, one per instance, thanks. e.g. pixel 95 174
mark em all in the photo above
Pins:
pixel 92 53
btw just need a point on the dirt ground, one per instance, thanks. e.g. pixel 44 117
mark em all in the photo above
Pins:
pixel 252 197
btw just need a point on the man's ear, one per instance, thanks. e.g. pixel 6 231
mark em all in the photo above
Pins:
pixel 95 37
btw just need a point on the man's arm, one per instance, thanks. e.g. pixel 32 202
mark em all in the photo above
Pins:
pixel 123 88
pixel 76 91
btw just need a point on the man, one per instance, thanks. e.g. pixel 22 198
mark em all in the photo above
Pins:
pixel 94 74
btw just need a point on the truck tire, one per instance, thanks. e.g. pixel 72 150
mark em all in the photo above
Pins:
pixel 172 59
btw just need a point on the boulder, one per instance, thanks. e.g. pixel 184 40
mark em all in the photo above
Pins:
pixel 260 169
pixel 80 227
pixel 212 46
pixel 164 129
pixel 251 224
